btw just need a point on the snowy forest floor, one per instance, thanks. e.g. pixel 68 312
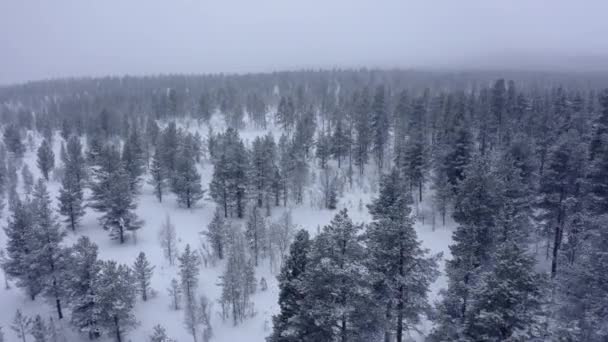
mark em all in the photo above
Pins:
pixel 189 224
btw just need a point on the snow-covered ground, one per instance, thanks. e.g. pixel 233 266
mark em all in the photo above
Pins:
pixel 189 224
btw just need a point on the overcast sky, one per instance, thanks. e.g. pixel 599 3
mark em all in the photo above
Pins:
pixel 58 38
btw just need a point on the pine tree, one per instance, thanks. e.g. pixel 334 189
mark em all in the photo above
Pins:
pixel 237 282
pixel 71 193
pixel 116 204
pixel 133 159
pixel 142 271
pixel 158 174
pixel 189 264
pixel 379 126
pixel 255 232
pixel 115 298
pixel 338 304
pixel 263 159
pixel 20 250
pixel 506 305
pixel 362 129
pixel 159 335
pixel 83 271
pixel 402 269
pixel 39 329
pixel 340 143
pixel 168 240
pixel 228 187
pixel 216 233
pixel 12 141
pixel 50 258
pixel 323 151
pixel 28 180
pixel 21 325
pixel 186 182
pixel 286 115
pixel 46 159
pixel 175 292
pixel 291 291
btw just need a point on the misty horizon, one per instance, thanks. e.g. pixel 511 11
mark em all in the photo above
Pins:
pixel 60 39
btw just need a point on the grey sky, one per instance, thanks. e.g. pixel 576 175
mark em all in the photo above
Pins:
pixel 59 38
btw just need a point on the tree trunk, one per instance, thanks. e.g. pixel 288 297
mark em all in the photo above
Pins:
pixel 117 327
pixel 58 304
pixel 556 244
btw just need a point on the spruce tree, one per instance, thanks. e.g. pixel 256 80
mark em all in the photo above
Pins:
pixel 133 159
pixel 46 159
pixel 175 293
pixel 39 329
pixel 28 180
pixel 142 271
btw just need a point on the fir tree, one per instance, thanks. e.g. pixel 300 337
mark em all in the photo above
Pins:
pixel 46 159
pixel 159 334
pixel 142 271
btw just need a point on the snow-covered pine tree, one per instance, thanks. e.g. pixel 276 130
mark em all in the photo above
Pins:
pixel 175 293
pixel 28 180
pixel 46 159
pixel 338 305
pixel 216 233
pixel 255 232
pixel 291 292
pixel 38 329
pixel 115 297
pixel 12 141
pixel 402 270
pixel 237 282
pixel 158 174
pixel 168 240
pixel 228 186
pixel 186 181
pixel 159 334
pixel 506 304
pixel 362 125
pixel 21 325
pixel 142 271
pixel 71 195
pixel 189 264
pixel 133 159
pixel 263 159
pixel 50 257
pixel 119 206
pixel 380 125
pixel 84 268
pixel 20 249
